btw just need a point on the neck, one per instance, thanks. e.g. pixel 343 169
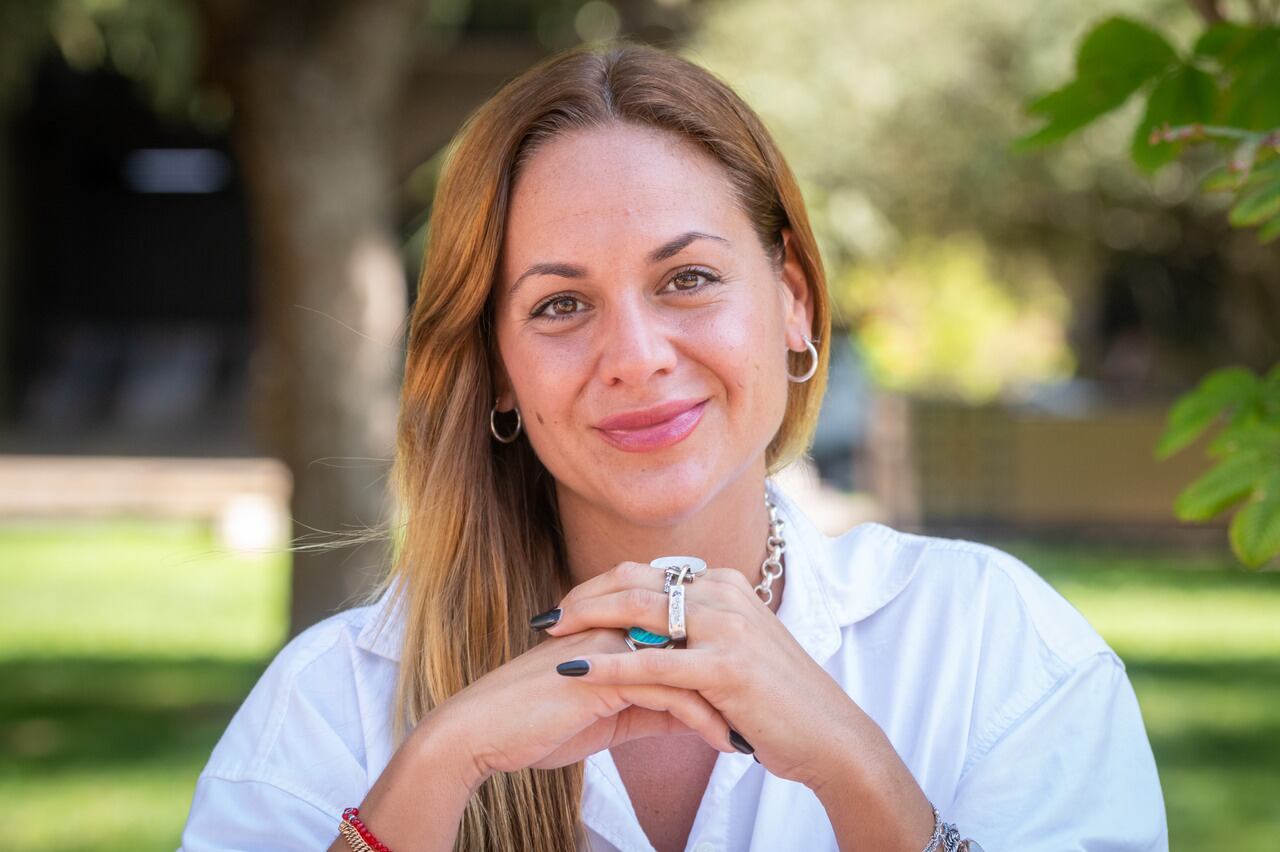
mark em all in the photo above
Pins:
pixel 730 531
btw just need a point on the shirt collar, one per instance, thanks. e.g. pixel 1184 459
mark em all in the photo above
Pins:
pixel 841 580
pixel 830 582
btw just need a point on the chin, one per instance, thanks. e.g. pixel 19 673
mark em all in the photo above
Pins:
pixel 660 497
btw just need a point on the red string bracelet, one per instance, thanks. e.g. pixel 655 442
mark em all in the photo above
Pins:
pixel 352 815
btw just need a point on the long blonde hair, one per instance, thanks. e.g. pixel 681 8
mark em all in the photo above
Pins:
pixel 479 546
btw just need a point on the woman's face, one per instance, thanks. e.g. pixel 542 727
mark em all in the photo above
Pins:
pixel 641 327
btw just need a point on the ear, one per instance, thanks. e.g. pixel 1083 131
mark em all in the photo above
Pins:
pixel 797 300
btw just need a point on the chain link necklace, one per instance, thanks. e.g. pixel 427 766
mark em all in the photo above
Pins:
pixel 772 565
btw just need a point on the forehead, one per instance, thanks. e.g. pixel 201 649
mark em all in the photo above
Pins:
pixel 621 186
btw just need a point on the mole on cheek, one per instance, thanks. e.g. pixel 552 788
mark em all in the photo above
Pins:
pixel 539 416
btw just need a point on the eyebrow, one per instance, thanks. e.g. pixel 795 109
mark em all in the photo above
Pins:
pixel 667 250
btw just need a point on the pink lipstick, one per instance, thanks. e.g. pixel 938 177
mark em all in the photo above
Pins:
pixel 652 428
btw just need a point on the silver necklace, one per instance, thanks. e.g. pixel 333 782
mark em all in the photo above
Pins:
pixel 772 565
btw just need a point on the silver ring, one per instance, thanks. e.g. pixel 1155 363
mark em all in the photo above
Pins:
pixel 675 611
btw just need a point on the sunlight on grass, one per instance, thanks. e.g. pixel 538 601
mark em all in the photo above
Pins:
pixel 121 808
pixel 1181 607
pixel 115 588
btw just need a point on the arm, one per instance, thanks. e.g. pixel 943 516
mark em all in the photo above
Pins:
pixel 417 802
pixel 871 797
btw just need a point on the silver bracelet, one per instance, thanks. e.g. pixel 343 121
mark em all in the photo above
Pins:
pixel 948 836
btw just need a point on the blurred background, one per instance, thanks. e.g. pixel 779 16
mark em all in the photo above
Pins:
pixel 212 216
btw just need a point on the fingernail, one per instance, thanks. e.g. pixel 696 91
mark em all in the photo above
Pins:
pixel 740 742
pixel 574 668
pixel 756 759
pixel 543 620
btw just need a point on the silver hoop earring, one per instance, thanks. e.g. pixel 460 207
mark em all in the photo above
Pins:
pixel 813 368
pixel 493 426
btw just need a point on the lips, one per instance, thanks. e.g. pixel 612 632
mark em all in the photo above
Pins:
pixel 652 428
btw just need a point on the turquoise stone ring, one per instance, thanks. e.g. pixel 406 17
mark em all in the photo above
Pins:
pixel 638 637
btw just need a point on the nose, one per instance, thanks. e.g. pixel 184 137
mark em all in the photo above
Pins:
pixel 635 344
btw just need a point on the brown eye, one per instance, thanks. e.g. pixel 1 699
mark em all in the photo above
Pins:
pixel 561 306
pixel 692 280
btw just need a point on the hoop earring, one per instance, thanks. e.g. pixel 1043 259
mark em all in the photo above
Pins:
pixel 493 426
pixel 813 368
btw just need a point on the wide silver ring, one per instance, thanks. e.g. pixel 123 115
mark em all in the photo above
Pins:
pixel 675 611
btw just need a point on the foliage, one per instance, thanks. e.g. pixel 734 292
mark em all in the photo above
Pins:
pixel 1247 472
pixel 1225 89
pixel 950 318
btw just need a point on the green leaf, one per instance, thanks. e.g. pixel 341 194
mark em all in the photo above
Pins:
pixel 1269 396
pixel 1221 179
pixel 1222 39
pixel 1195 410
pixel 1249 100
pixel 1124 48
pixel 1260 439
pixel 1230 481
pixel 1257 206
pixel 1269 231
pixel 1115 59
pixel 1185 95
pixel 1255 530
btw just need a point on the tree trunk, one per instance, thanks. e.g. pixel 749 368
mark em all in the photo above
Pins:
pixel 315 89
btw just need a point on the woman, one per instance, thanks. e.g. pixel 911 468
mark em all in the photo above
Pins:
pixel 621 331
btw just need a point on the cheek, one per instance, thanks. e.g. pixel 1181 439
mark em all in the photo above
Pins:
pixel 746 352
pixel 547 376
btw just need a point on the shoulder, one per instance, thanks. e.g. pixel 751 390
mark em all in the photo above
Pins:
pixel 308 718
pixel 969 586
pixel 298 748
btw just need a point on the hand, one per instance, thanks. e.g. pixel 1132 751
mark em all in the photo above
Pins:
pixel 523 714
pixel 738 656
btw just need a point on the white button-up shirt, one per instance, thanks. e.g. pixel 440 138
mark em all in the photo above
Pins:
pixel 1012 713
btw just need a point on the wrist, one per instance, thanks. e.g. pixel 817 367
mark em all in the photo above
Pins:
pixel 848 757
pixel 442 749
pixel 871 796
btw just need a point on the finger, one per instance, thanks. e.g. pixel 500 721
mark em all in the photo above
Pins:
pixel 686 668
pixel 733 578
pixel 690 709
pixel 635 723
pixel 631 607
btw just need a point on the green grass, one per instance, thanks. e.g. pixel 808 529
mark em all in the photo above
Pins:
pixel 126 646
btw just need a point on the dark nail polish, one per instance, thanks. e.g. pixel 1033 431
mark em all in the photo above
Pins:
pixel 756 759
pixel 740 742
pixel 543 620
pixel 574 668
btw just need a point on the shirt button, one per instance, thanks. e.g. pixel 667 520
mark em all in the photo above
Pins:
pixel 704 847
